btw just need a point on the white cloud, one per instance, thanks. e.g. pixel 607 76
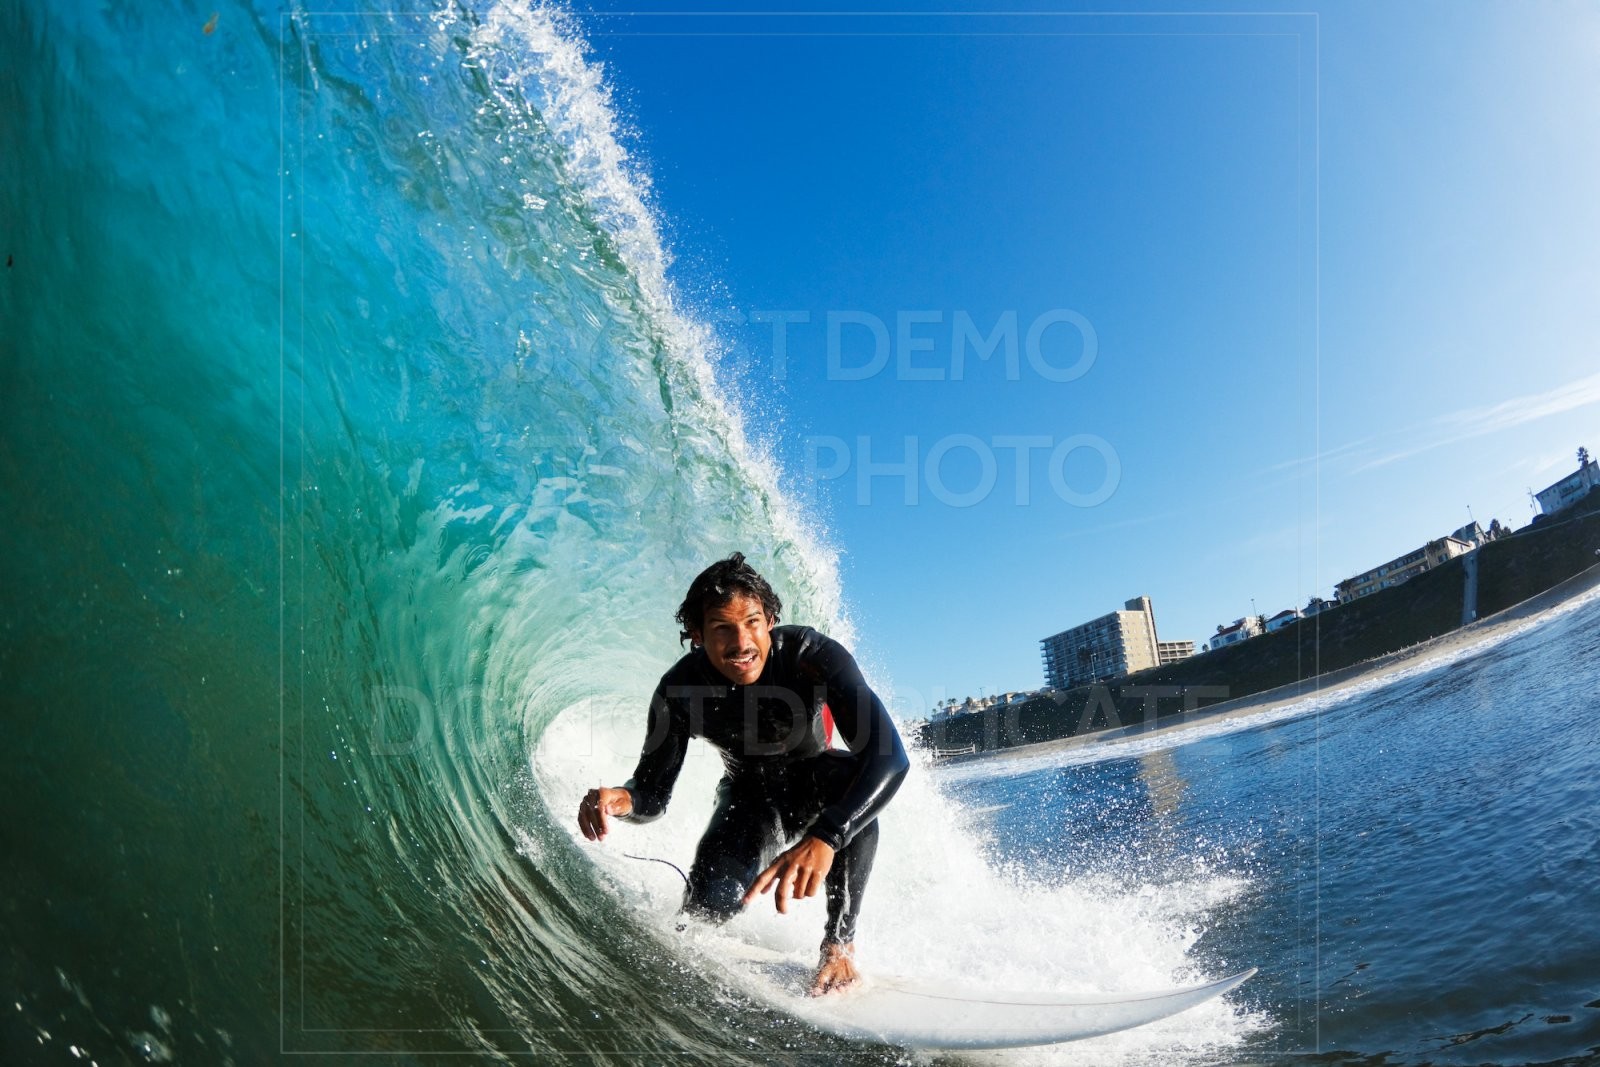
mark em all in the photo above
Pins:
pixel 1452 428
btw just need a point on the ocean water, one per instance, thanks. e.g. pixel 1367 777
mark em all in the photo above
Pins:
pixel 1417 853
pixel 355 452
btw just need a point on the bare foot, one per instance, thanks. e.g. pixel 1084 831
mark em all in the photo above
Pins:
pixel 837 969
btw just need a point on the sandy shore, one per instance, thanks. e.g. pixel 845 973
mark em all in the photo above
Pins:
pixel 1483 631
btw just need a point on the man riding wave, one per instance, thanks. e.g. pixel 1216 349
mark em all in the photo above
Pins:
pixel 793 816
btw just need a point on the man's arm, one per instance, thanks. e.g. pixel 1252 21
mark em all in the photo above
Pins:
pixel 646 794
pixel 665 744
pixel 869 733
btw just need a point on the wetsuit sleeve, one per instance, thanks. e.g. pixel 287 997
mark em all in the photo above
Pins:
pixel 865 727
pixel 664 747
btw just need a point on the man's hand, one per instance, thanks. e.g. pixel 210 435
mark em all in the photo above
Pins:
pixel 836 970
pixel 597 805
pixel 797 873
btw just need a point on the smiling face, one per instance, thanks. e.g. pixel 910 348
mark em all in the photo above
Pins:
pixel 737 639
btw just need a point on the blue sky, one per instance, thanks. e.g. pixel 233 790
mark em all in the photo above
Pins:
pixel 1303 288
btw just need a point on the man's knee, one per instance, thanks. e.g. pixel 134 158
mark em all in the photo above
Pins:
pixel 715 895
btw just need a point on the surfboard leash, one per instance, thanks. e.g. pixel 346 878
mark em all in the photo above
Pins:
pixel 652 859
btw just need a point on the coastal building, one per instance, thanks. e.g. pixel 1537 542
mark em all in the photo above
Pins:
pixel 1108 647
pixel 1573 487
pixel 1172 651
pixel 1282 619
pixel 949 709
pixel 1316 606
pixel 1438 551
pixel 1239 630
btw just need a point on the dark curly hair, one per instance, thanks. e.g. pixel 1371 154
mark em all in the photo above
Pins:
pixel 720 583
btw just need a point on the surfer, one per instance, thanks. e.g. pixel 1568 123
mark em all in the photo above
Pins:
pixel 793 816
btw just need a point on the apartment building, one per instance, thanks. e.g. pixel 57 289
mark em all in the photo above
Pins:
pixel 1438 551
pixel 1172 651
pixel 1111 646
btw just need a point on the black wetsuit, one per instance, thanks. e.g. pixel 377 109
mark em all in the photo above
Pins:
pixel 780 780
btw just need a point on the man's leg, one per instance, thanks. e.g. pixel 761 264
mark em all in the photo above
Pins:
pixel 847 881
pixel 830 775
pixel 742 838
pixel 845 886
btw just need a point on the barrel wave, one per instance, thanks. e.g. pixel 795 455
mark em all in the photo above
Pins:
pixel 356 451
pixel 351 435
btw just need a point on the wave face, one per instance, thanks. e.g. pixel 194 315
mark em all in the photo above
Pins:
pixel 355 456
pixel 350 435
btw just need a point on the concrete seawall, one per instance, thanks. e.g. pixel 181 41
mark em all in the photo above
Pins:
pixel 1331 681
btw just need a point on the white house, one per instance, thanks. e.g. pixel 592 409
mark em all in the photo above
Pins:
pixel 1240 630
pixel 1282 619
pixel 1574 486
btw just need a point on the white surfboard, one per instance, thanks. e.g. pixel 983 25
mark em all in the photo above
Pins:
pixel 920 1014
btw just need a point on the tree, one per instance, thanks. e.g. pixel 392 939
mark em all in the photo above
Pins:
pixel 1583 457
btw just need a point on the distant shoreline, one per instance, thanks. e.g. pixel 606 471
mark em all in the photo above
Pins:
pixel 1329 682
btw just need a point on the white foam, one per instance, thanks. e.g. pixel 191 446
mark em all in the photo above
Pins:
pixel 936 908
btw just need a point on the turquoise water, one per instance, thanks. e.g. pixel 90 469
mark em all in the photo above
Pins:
pixel 355 454
pixel 347 421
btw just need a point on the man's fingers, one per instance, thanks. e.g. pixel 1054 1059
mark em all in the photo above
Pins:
pixel 591 816
pixel 785 888
pixel 793 880
pixel 762 883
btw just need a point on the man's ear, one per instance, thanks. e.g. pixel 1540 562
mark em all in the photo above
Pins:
pixel 695 640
